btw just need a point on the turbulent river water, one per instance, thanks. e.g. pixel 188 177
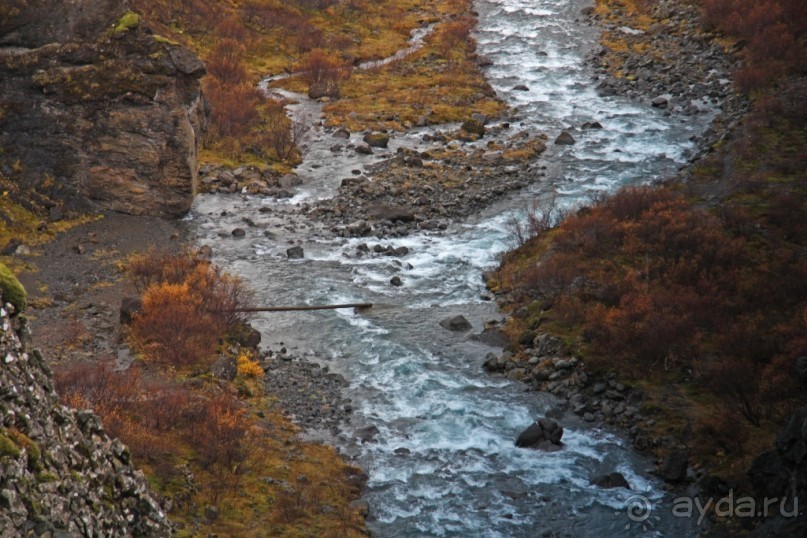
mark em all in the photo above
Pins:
pixel 444 463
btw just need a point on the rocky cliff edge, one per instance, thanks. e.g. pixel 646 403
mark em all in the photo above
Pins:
pixel 97 112
pixel 60 474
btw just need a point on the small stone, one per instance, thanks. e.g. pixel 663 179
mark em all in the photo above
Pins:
pixel 295 252
pixel 564 139
pixel 396 281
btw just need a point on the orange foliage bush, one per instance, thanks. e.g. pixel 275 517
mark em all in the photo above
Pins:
pixel 234 109
pixel 188 305
pixel 226 63
pixel 173 327
pixel 319 67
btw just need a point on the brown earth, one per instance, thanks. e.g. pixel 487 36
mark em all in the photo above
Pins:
pixel 75 283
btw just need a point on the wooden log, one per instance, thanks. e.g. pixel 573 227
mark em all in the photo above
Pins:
pixel 360 306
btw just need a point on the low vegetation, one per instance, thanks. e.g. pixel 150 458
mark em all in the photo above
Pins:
pixel 226 464
pixel 696 291
pixel 243 41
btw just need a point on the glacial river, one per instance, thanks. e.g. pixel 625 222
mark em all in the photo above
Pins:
pixel 443 462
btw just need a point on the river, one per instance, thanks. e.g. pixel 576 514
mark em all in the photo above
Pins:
pixel 443 462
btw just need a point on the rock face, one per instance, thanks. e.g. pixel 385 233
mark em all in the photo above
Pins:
pixel 96 110
pixel 60 474
pixel 783 470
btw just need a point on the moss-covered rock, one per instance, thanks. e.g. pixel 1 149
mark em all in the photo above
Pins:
pixel 128 21
pixel 8 448
pixel 11 289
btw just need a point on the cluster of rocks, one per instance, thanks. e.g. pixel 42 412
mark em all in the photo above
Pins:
pixel 428 190
pixel 60 474
pixel 674 64
pixel 249 180
pixel 546 365
pixel 309 394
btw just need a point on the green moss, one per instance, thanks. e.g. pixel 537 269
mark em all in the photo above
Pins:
pixel 11 289
pixel 165 40
pixel 46 476
pixel 30 446
pixel 128 21
pixel 8 448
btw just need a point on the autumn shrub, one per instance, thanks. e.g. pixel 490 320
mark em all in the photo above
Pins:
pixel 247 367
pixel 173 328
pixel 319 67
pixel 227 441
pixel 454 35
pixel 226 63
pixel 234 109
pixel 773 32
pixel 129 408
pixel 221 295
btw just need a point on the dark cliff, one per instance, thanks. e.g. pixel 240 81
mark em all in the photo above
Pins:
pixel 60 474
pixel 97 112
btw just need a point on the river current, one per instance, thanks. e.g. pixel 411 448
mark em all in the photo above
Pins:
pixel 443 462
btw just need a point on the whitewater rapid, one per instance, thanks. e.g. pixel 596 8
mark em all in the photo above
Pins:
pixel 443 461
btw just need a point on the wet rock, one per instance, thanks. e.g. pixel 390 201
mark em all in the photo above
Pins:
pixel 287 181
pixel 359 228
pixel 474 127
pixel 341 133
pixel 361 506
pixel 367 434
pixel 660 102
pixel 364 149
pixel 456 323
pixel 521 88
pixel 295 252
pixel 396 281
pixel 610 481
pixel 543 434
pixel 352 181
pixel 564 139
pixel 483 61
pixel 376 140
pixel 238 232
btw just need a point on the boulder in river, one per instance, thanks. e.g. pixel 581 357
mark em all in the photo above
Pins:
pixel 610 481
pixel 364 149
pixel 295 252
pixel 565 139
pixel 660 102
pixel 456 323
pixel 543 434
pixel 376 140
pixel 521 88
pixel 474 127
